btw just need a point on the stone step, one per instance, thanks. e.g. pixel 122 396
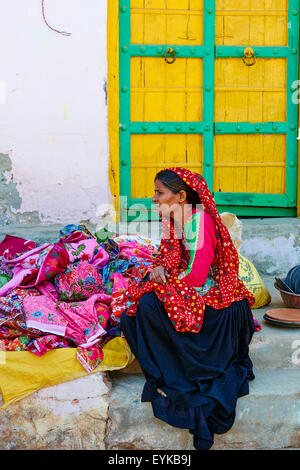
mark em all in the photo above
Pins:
pixel 267 418
pixel 272 244
pixel 68 416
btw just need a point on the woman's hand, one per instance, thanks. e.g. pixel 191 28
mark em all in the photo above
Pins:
pixel 159 275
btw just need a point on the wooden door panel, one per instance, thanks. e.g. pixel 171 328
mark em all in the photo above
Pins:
pixel 250 164
pixel 250 94
pixel 158 152
pixel 255 22
pixel 167 22
pixel 163 92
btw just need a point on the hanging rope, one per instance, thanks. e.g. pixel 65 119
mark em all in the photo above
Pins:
pixel 53 29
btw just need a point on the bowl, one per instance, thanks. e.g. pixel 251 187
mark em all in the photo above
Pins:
pixel 289 299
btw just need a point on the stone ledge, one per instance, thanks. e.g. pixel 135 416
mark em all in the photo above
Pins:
pixel 272 244
pixel 265 419
pixel 69 416
pixel 104 411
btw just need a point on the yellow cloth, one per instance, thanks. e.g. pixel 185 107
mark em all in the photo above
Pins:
pixel 22 372
pixel 254 283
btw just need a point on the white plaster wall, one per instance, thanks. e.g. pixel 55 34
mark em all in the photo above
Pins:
pixel 53 113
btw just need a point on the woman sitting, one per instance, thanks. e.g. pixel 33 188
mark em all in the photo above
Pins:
pixel 190 323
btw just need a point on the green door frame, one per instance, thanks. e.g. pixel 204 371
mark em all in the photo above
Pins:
pixel 245 204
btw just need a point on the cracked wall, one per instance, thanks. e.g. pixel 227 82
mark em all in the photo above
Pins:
pixel 10 200
pixel 53 114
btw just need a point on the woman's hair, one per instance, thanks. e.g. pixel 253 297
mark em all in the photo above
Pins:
pixel 175 184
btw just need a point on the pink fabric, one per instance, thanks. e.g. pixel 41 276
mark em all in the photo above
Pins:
pixel 80 282
pixel 205 252
pixel 120 285
pixel 74 237
pixel 43 344
pixel 103 313
pixel 85 250
pixel 76 320
pixel 90 357
pixel 45 261
pixel 131 249
pixel 12 246
pixel 23 266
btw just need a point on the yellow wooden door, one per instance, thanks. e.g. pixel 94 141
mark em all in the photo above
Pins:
pixel 210 110
pixel 163 92
pixel 255 164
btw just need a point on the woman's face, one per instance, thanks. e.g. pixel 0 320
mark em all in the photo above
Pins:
pixel 167 203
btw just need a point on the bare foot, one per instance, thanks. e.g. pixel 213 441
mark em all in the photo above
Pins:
pixel 162 393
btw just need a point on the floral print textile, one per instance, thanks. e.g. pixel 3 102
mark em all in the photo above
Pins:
pixel 73 309
pixel 77 231
pixel 44 262
pixel 77 321
pixel 11 305
pixel 79 282
pixel 43 344
pixel 90 357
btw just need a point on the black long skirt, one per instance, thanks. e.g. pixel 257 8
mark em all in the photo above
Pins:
pixel 203 374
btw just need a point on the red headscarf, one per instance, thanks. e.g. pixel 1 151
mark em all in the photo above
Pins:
pixel 184 305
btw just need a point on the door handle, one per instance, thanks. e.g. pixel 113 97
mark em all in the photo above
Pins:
pixel 249 57
pixel 167 58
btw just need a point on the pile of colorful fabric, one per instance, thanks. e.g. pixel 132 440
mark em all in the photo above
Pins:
pixel 66 294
